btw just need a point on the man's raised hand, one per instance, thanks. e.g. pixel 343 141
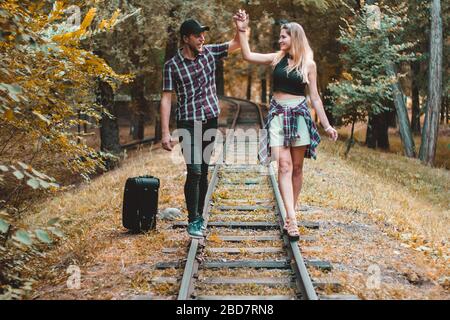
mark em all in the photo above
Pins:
pixel 241 19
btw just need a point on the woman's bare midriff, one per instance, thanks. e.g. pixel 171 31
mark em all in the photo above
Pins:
pixel 278 95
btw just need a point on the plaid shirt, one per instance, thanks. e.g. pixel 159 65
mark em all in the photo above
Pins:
pixel 290 130
pixel 195 82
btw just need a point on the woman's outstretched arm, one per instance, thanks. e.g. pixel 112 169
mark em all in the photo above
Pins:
pixel 241 19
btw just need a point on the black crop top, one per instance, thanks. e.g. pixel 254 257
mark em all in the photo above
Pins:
pixel 289 83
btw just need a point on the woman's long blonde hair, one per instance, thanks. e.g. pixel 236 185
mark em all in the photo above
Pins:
pixel 302 53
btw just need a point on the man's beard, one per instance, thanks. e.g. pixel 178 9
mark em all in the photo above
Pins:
pixel 194 49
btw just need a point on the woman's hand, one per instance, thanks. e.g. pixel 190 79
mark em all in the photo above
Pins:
pixel 332 133
pixel 241 19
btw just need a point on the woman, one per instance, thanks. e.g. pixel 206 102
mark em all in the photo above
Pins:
pixel 292 134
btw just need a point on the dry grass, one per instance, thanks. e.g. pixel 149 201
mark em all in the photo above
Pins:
pixel 109 258
pixel 407 198
pixel 354 245
pixel 95 238
pixel 442 159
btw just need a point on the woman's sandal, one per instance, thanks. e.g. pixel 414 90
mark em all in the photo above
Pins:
pixel 292 231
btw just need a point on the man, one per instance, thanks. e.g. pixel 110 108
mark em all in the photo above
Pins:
pixel 191 73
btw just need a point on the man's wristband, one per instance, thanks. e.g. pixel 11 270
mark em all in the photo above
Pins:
pixel 328 128
pixel 242 30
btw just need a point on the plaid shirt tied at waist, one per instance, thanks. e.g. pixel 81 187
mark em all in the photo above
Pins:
pixel 290 122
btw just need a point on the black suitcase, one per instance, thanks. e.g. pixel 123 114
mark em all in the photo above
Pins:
pixel 140 203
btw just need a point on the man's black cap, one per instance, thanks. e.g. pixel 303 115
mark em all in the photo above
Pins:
pixel 192 26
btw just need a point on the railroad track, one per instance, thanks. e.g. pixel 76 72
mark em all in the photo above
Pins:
pixel 245 255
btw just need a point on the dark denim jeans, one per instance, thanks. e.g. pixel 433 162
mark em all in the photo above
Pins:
pixel 197 149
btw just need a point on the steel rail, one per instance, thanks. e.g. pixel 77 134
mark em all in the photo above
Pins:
pixel 191 266
pixel 302 279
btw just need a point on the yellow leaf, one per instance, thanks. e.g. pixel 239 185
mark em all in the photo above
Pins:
pixel 347 76
pixel 57 11
pixel 41 117
pixel 9 114
pixel 214 238
pixel 88 19
pixel 113 19
pixel 102 25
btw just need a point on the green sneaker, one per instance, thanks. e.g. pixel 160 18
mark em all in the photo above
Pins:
pixel 193 230
pixel 201 222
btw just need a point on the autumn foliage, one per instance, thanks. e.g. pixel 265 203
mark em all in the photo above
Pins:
pixel 47 80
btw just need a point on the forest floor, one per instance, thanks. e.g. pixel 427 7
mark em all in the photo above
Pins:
pixel 376 210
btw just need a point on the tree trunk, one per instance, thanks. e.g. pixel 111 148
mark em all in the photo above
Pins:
pixel 137 124
pixel 79 126
pixel 402 115
pixel 447 111
pixel 392 117
pixel 270 85
pixel 382 133
pixel 431 125
pixel 371 141
pixel 220 83
pixel 249 83
pixel 170 51
pixel 328 106
pixel 158 130
pixel 377 131
pixel 109 128
pixel 172 39
pixel 415 116
pixel 263 88
pixel 351 140
pixel 140 106
pixel 444 110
